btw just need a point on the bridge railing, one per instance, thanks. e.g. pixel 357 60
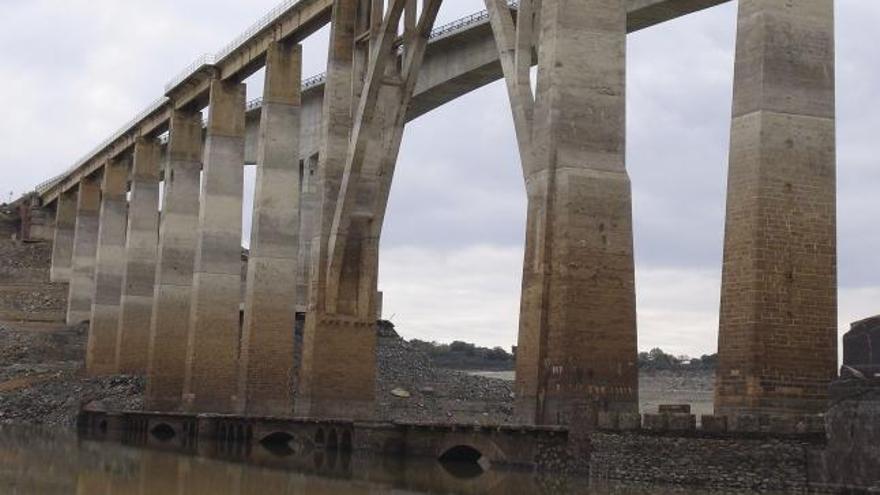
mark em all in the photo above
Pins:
pixel 255 28
pixel 204 60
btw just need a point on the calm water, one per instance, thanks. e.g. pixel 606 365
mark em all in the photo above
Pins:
pixel 39 462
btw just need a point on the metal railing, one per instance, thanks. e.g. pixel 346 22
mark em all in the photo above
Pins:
pixel 466 22
pixel 205 60
pixel 255 28
pixel 210 60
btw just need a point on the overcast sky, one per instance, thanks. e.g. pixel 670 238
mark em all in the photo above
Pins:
pixel 73 71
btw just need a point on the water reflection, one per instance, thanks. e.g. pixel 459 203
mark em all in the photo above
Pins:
pixel 49 463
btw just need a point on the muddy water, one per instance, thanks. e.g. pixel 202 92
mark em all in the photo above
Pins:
pixel 49 463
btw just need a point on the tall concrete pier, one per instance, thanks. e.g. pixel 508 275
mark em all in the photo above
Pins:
pixel 213 337
pixel 141 245
pixel 577 340
pixel 266 365
pixel 62 246
pixel 85 245
pixel 777 344
pixel 109 267
pixel 169 323
pixel 326 152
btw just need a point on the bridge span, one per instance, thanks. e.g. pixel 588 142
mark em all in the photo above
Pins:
pixel 163 295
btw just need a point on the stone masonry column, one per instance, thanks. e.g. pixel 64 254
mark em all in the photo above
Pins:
pixel 270 300
pixel 174 271
pixel 109 265
pixel 777 342
pixel 62 245
pixel 85 243
pixel 141 244
pixel 577 344
pixel 213 338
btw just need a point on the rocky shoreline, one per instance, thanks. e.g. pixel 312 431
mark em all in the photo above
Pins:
pixel 42 382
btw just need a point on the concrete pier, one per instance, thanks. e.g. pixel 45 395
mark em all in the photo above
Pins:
pixel 267 342
pixel 213 339
pixel 777 344
pixel 62 247
pixel 169 323
pixel 85 243
pixel 141 245
pixel 337 375
pixel 109 267
pixel 577 341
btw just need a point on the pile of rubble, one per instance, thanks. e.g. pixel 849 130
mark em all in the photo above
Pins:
pixel 410 388
pixel 42 380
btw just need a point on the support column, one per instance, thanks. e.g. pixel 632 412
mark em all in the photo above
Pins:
pixel 141 244
pixel 269 316
pixel 174 272
pixel 62 245
pixel 577 341
pixel 213 339
pixel 110 263
pixel 85 243
pixel 777 343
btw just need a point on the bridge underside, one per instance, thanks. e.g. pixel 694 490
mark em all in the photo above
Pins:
pixel 164 297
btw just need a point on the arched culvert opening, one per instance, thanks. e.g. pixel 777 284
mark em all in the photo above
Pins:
pixel 163 432
pixel 319 437
pixel 346 445
pixel 278 443
pixel 463 461
pixel 332 440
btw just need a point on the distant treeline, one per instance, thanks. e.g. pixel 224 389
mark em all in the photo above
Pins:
pixel 466 356
pixel 659 360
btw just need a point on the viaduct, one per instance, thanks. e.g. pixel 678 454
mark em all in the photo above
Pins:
pixel 162 292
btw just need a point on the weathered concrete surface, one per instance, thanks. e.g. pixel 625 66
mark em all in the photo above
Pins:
pixel 169 323
pixel 337 374
pixel 62 246
pixel 109 267
pixel 851 461
pixel 267 342
pixel 213 338
pixel 778 340
pixel 141 245
pixel 861 346
pixel 85 244
pixel 577 338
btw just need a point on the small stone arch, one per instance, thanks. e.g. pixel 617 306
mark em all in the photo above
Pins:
pixel 332 440
pixel 163 432
pixel 278 443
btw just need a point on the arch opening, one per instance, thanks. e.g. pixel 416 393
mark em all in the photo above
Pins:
pixel 346 443
pixel 332 440
pixel 278 443
pixel 463 461
pixel 163 432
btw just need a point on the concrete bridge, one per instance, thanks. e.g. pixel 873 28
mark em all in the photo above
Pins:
pixel 163 296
